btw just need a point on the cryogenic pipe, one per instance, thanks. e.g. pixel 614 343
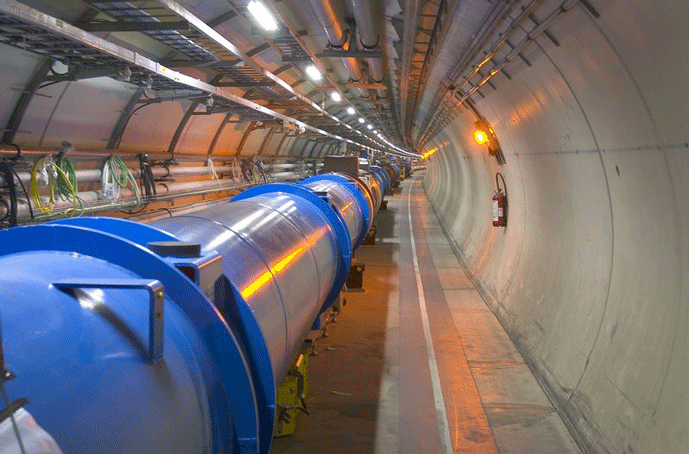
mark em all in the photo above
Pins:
pixel 10 151
pixel 285 175
pixel 282 166
pixel 185 326
pixel 127 199
pixel 383 178
pixel 352 201
pixel 366 25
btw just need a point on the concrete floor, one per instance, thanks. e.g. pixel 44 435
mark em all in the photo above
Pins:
pixel 377 386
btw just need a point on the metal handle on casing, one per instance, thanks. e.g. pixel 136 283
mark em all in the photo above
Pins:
pixel 156 292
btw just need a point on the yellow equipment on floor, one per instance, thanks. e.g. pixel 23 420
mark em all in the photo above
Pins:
pixel 291 395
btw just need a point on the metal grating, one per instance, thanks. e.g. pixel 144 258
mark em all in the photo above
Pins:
pixel 290 48
pixel 247 75
pixel 200 48
pixel 30 38
pixel 172 38
pixel 33 31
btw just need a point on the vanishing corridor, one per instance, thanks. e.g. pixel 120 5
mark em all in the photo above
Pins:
pixel 371 388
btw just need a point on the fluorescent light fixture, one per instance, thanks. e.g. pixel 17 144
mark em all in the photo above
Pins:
pixel 335 96
pixel 351 111
pixel 361 120
pixel 313 73
pixel 262 15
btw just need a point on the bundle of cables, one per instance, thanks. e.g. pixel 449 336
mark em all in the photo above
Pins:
pixel 60 178
pixel 116 175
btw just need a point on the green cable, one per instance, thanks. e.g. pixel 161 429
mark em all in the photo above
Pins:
pixel 120 175
pixel 66 183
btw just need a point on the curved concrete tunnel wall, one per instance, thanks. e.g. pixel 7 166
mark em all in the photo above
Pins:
pixel 589 276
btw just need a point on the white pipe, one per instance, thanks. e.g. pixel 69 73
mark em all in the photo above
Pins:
pixel 94 200
pixel 286 175
pixel 126 199
pixel 92 175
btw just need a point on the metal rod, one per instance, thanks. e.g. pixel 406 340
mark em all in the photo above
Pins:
pixel 10 151
pixel 93 175
pixel 127 199
pixel 532 35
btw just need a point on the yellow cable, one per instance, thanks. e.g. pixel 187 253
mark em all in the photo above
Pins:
pixel 36 196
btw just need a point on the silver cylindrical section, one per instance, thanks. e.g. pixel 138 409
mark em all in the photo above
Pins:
pixel 344 202
pixel 366 23
pixel 376 191
pixel 281 256
pixel 327 17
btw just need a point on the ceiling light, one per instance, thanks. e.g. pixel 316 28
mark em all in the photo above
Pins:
pixel 313 73
pixel 262 15
pixel 335 96
pixel 369 126
pixel 351 111
pixel 361 120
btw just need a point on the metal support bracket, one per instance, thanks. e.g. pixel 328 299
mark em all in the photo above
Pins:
pixel 156 292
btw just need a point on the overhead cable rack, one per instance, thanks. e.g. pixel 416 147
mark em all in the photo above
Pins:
pixel 196 42
pixel 34 31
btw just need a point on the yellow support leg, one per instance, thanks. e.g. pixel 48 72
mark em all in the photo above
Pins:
pixel 291 396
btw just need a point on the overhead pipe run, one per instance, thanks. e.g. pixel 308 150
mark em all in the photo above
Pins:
pixel 325 13
pixel 365 18
pixel 96 200
pixel 93 201
pixel 93 175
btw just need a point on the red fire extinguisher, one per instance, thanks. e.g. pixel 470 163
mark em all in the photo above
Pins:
pixel 500 203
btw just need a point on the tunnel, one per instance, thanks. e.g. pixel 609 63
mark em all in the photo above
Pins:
pixel 510 178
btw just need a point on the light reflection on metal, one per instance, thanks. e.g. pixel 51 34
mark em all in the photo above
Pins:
pixel 265 277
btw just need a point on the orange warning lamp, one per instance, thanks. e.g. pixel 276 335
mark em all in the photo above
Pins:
pixel 480 136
